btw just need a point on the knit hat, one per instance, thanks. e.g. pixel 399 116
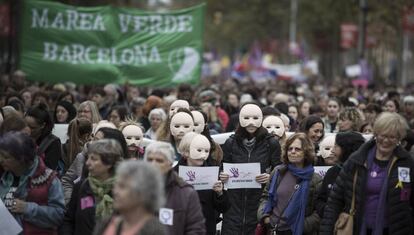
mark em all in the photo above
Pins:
pixel 349 141
pixel 69 107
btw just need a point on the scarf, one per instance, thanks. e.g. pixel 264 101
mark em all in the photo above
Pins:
pixel 249 144
pixel 379 220
pixel 101 192
pixel 8 177
pixel 295 211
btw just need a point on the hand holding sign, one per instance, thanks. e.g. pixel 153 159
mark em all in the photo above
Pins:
pixel 262 178
pixel 224 177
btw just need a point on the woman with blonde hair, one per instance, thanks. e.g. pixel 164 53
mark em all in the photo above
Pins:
pixel 379 176
pixel 89 110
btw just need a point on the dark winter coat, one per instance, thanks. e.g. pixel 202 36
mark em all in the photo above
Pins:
pixel 312 219
pixel 241 217
pixel 78 220
pixel 327 184
pixel 183 200
pixel 400 212
pixel 211 203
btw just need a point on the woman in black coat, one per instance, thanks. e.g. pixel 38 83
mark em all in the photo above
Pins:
pixel 251 143
pixel 213 201
pixel 383 191
pixel 346 143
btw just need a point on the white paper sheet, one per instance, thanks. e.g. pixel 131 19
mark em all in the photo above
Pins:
pixel 242 175
pixel 8 225
pixel 201 178
pixel 321 170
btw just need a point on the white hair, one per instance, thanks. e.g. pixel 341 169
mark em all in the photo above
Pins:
pixel 163 148
pixel 158 111
pixel 145 181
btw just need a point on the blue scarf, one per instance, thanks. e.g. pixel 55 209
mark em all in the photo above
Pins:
pixel 295 211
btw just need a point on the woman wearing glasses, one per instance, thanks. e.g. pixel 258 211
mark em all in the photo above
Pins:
pixel 383 192
pixel 287 205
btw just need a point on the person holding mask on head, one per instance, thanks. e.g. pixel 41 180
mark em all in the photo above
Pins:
pixel 138 195
pixel 29 190
pixel 250 143
pixel 91 198
pixel 287 205
pixel 382 171
pixel 182 213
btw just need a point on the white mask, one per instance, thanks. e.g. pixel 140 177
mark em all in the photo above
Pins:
pixel 326 146
pixel 274 125
pixel 176 105
pixel 251 114
pixel 181 123
pixel 199 147
pixel 133 135
pixel 198 121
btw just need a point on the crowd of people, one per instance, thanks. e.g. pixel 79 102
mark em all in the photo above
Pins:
pixel 104 180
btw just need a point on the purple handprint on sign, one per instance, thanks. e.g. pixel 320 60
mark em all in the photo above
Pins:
pixel 235 172
pixel 191 175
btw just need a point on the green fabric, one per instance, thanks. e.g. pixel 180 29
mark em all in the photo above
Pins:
pixel 106 44
pixel 101 192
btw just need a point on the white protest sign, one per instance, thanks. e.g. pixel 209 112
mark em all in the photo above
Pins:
pixel 321 170
pixel 8 225
pixel 201 178
pixel 242 175
pixel 61 131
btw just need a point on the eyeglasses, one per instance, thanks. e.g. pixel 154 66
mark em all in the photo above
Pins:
pixel 290 149
pixel 390 138
pixel 84 111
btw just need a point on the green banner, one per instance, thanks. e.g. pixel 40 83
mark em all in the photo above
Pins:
pixel 96 45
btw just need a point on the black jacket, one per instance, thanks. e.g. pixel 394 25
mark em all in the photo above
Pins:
pixel 78 220
pixel 211 203
pixel 327 184
pixel 400 212
pixel 51 148
pixel 241 217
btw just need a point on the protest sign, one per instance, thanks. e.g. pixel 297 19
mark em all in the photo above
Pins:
pixel 201 178
pixel 8 225
pixel 98 45
pixel 242 175
pixel 321 170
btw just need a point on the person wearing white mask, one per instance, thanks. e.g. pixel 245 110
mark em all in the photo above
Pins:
pixel 181 123
pixel 275 126
pixel 177 105
pixel 134 135
pixel 215 200
pixel 251 143
pixel 325 157
pixel 201 127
